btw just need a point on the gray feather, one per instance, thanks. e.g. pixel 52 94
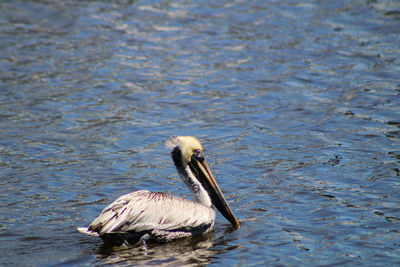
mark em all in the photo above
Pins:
pixel 145 211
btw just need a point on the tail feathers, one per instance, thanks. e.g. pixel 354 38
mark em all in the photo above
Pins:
pixel 85 230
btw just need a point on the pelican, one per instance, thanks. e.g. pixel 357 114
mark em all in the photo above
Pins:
pixel 157 216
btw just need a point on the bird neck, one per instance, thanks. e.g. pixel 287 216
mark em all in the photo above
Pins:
pixel 199 193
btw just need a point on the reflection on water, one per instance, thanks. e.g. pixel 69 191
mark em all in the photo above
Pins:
pixel 296 103
pixel 192 251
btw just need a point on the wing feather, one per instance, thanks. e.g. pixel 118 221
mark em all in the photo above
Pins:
pixel 143 211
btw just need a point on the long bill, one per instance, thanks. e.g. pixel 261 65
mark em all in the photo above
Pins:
pixel 206 178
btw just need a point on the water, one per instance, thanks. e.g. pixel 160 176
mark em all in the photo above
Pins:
pixel 296 103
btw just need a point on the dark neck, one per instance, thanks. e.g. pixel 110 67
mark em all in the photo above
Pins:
pixel 176 155
pixel 187 176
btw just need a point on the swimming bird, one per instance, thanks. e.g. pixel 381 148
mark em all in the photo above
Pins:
pixel 144 215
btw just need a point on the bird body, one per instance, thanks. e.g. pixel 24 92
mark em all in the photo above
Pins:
pixel 143 211
pixel 162 217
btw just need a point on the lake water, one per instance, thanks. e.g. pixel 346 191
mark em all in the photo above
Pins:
pixel 297 104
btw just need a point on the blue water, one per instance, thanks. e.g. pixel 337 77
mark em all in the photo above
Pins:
pixel 296 103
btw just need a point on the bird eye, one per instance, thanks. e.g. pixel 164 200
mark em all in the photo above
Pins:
pixel 197 155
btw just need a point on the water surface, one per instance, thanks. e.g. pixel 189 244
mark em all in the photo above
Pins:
pixel 296 103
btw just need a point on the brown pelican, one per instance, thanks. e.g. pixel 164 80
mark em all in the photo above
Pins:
pixel 158 216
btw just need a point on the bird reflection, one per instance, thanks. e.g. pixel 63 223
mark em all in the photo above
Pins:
pixel 195 250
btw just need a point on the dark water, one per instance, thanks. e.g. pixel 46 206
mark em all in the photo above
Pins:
pixel 296 103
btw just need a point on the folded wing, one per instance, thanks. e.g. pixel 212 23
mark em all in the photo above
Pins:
pixel 145 211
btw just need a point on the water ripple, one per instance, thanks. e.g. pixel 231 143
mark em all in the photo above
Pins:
pixel 296 105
